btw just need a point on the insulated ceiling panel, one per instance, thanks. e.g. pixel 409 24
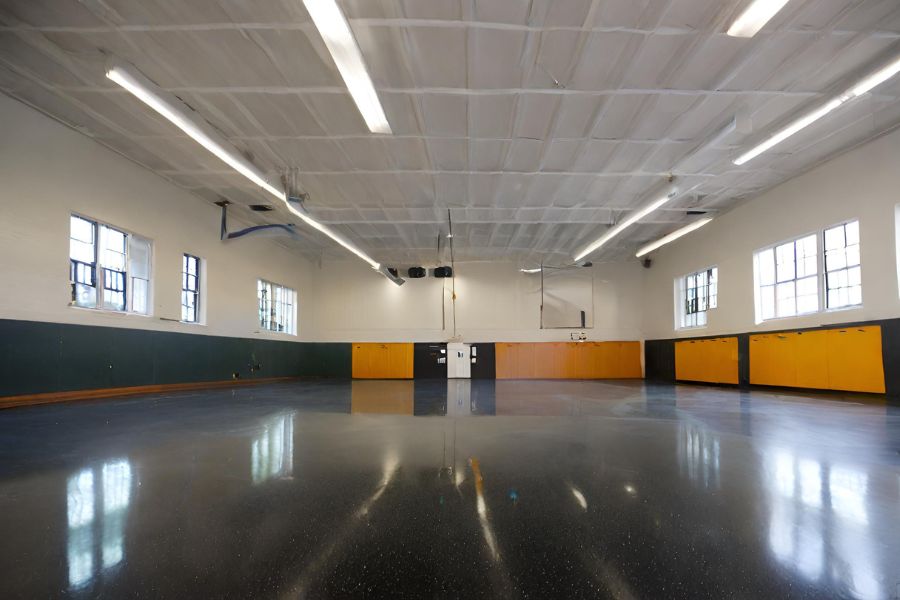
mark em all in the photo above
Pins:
pixel 537 123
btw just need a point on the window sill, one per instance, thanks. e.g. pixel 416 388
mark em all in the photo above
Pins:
pixel 106 311
pixel 275 334
pixel 192 323
pixel 843 308
pixel 692 328
pixel 809 314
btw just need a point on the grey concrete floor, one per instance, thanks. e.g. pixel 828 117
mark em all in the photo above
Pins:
pixel 540 489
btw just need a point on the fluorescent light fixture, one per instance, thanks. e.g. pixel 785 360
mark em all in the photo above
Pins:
pixel 204 134
pixel 530 270
pixel 755 17
pixel 864 85
pixel 783 134
pixel 138 86
pixel 876 78
pixel 672 236
pixel 339 40
pixel 630 220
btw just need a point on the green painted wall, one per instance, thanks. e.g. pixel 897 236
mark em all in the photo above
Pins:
pixel 40 357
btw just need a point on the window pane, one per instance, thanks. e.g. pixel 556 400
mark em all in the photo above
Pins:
pixel 140 295
pixel 85 295
pixel 81 252
pixel 138 257
pixel 767 301
pixel 807 287
pixel 854 276
pixel 855 295
pixel 784 256
pixel 807 246
pixel 835 259
pixel 81 240
pixel 834 238
pixel 81 230
pixel 837 279
pixel 113 289
pixel 766 262
pixel 807 295
pixel 807 304
pixel 852 232
pixel 852 255
pixel 112 245
pixel 785 299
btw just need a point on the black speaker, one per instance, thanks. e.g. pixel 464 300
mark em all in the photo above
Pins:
pixel 416 272
pixel 443 272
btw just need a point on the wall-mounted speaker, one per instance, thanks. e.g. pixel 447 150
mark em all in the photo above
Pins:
pixel 443 272
pixel 416 272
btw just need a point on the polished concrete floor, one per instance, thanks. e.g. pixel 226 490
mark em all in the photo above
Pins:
pixel 453 489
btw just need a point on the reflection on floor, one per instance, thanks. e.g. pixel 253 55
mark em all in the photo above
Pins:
pixel 453 488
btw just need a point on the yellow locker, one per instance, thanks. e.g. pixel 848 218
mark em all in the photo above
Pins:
pixel 629 360
pixel 773 359
pixel 571 351
pixel 504 355
pixel 604 361
pixel 855 359
pixel 811 358
pixel 686 363
pixel 382 361
pixel 527 361
pixel 722 360
pixel 584 360
pixel 713 360
pixel 546 361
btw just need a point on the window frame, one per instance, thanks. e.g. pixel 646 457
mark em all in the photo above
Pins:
pixel 198 292
pixel 292 327
pixel 821 281
pixel 100 268
pixel 682 288
pixel 824 291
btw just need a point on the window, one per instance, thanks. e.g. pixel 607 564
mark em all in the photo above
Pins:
pixel 108 268
pixel 843 284
pixel 698 293
pixel 787 279
pixel 277 307
pixel 190 289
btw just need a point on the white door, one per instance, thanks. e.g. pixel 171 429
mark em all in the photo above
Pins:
pixel 459 364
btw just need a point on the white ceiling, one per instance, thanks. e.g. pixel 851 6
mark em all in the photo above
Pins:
pixel 538 122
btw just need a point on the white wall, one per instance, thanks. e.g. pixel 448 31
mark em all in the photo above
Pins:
pixel 495 302
pixel 862 184
pixel 48 171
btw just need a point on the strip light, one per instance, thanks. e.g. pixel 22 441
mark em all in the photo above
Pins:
pixel 530 271
pixel 672 236
pixel 339 40
pixel 755 17
pixel 632 218
pixel 201 132
pixel 864 85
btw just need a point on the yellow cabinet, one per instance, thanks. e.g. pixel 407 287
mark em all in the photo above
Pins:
pixel 382 361
pixel 811 359
pixel 845 359
pixel 568 360
pixel 712 360
pixel 855 359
